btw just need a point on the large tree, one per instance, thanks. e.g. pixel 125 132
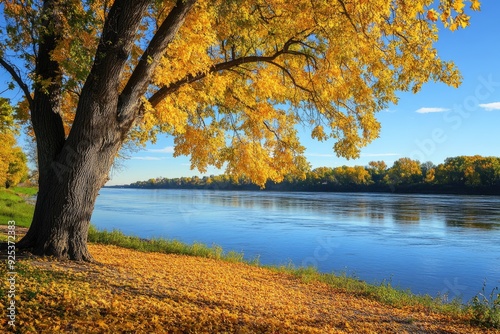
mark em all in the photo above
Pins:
pixel 229 79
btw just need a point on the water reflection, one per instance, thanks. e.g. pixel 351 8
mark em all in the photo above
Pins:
pixel 454 211
pixel 471 223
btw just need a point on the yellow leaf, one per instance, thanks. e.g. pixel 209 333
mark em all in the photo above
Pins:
pixel 432 15
pixel 475 5
pixel 458 6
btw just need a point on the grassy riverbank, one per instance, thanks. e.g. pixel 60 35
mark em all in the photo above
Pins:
pixel 383 293
pixel 14 205
pixel 149 292
pixel 159 285
pixel 484 311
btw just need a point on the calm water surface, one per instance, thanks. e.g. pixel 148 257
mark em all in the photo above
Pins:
pixel 434 244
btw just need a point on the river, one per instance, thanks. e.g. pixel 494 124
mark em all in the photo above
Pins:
pixel 442 245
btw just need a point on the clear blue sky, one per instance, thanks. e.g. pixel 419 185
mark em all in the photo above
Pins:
pixel 436 123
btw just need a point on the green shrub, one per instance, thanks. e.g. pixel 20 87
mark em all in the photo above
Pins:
pixel 486 309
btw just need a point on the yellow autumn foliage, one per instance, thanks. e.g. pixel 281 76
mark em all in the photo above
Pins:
pixel 13 167
pixel 241 75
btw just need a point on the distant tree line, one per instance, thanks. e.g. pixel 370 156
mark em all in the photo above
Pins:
pixel 463 174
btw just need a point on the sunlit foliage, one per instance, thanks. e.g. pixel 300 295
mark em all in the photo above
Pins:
pixel 476 173
pixel 241 76
pixel 470 171
pixel 404 171
pixel 13 168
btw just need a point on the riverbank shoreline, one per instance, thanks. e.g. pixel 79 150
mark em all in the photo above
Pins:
pixel 130 249
pixel 130 290
pixel 140 264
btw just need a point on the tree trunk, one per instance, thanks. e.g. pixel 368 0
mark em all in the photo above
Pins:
pixel 69 183
pixel 73 169
pixel 66 200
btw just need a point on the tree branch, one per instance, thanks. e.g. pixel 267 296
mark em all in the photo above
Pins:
pixel 346 13
pixel 162 93
pixel 276 135
pixel 45 112
pixel 17 78
pixel 116 42
pixel 113 52
pixel 287 72
pixel 141 77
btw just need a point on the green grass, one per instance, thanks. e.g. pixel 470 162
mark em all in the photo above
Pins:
pixel 28 191
pixel 485 310
pixel 383 292
pixel 117 238
pixel 13 205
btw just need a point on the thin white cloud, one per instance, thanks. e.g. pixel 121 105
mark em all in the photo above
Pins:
pixel 380 154
pixel 321 155
pixel 326 155
pixel 426 110
pixel 490 106
pixel 168 149
pixel 147 158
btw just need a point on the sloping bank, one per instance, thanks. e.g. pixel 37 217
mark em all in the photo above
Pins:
pixel 130 291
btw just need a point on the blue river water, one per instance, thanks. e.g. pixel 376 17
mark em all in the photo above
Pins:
pixel 441 245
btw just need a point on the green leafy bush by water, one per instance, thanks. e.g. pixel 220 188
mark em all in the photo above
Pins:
pixel 486 308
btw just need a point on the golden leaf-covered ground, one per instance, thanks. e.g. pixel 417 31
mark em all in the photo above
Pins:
pixel 128 291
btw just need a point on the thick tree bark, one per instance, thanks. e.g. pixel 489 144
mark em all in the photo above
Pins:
pixel 64 206
pixel 72 170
